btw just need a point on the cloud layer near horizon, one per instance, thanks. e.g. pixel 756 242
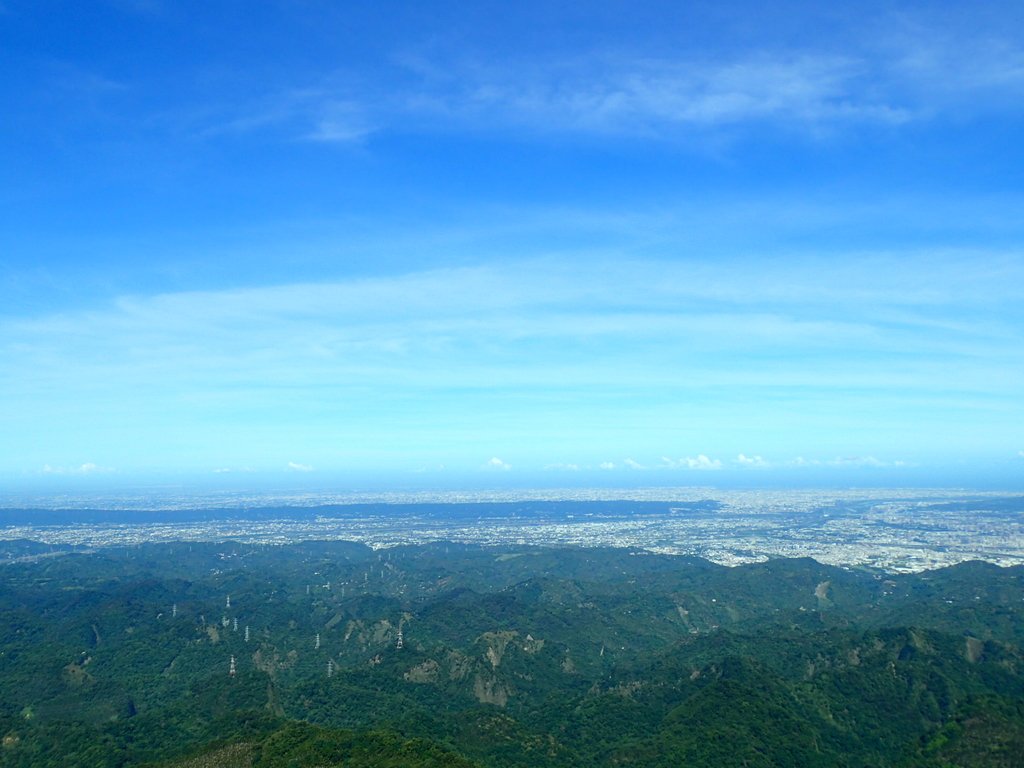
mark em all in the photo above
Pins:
pixel 520 355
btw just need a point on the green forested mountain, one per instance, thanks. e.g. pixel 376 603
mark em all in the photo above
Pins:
pixel 509 656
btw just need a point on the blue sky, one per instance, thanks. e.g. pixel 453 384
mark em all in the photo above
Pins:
pixel 551 244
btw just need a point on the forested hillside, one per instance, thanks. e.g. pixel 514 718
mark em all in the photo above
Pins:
pixel 324 654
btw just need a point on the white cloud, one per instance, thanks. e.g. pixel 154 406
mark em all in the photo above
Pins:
pixel 606 465
pixel 497 464
pixel 751 461
pixel 703 462
pixel 848 461
pixel 800 461
pixel 633 464
pixel 296 467
pixel 700 462
pixel 428 468
pixel 857 461
pixel 563 467
pixel 88 468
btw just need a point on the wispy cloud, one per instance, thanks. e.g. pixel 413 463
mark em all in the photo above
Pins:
pixel 340 123
pixel 296 467
pixel 941 65
pixel 497 464
pixel 900 68
pixel 466 326
pixel 916 74
pixel 531 345
pixel 321 113
pixel 631 95
pixel 647 96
